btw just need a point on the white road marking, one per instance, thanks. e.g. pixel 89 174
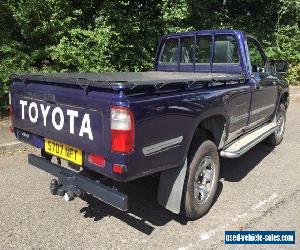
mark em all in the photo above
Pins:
pixel 262 203
pixel 10 144
pixel 207 235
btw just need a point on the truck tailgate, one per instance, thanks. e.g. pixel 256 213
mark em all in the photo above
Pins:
pixel 63 113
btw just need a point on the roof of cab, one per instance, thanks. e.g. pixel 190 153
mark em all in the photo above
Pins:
pixel 216 31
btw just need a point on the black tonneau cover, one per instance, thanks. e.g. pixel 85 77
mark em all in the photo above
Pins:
pixel 126 80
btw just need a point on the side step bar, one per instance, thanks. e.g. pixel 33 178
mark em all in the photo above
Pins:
pixel 242 145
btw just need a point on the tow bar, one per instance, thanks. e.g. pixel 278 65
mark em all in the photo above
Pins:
pixel 68 192
pixel 70 184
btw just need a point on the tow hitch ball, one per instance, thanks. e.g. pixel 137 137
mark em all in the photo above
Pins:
pixel 58 189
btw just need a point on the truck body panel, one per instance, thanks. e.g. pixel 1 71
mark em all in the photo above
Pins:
pixel 95 106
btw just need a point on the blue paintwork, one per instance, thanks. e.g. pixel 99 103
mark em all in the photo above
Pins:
pixel 165 116
pixel 35 140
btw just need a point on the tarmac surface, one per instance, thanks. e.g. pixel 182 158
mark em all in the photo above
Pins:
pixel 259 191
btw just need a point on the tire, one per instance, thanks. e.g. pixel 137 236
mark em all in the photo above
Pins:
pixel 198 197
pixel 276 138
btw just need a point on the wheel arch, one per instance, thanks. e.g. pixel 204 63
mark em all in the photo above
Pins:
pixel 284 98
pixel 214 128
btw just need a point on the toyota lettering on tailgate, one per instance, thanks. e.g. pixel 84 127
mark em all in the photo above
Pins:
pixel 57 116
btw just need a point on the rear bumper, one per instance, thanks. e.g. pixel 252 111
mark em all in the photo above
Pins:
pixel 70 178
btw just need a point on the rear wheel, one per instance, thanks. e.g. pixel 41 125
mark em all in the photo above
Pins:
pixel 201 182
pixel 276 138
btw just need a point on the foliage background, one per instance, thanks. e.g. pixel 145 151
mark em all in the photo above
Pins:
pixel 120 35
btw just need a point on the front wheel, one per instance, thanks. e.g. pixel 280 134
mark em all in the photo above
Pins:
pixel 202 180
pixel 276 138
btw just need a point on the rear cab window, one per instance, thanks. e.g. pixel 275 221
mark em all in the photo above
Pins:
pixel 226 54
pixel 194 54
pixel 187 53
pixel 200 53
pixel 226 50
pixel 168 57
pixel 203 53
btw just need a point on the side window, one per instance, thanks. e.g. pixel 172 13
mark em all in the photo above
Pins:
pixel 169 52
pixel 257 59
pixel 187 50
pixel 226 49
pixel 203 49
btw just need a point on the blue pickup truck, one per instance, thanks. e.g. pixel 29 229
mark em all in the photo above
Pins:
pixel 211 94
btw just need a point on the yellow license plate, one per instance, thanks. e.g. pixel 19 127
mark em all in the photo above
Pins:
pixel 63 151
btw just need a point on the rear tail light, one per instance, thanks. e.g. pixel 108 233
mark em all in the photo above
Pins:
pixel 119 169
pixel 96 160
pixel 122 130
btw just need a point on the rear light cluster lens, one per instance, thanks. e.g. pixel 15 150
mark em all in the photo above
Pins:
pixel 97 160
pixel 119 169
pixel 122 130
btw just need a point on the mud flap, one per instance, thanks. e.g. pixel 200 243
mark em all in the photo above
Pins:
pixel 170 188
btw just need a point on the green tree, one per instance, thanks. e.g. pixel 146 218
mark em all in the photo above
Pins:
pixel 122 35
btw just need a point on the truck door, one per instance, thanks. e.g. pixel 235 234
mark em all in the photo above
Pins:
pixel 236 96
pixel 264 85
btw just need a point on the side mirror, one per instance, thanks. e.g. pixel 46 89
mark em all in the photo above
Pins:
pixel 281 67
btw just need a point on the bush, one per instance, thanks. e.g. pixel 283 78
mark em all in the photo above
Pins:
pixel 85 50
pixel 294 74
pixel 13 60
pixel 121 35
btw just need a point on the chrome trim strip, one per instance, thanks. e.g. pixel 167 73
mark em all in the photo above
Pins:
pixel 256 111
pixel 239 118
pixel 162 146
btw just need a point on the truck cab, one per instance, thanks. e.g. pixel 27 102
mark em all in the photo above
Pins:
pixel 230 51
